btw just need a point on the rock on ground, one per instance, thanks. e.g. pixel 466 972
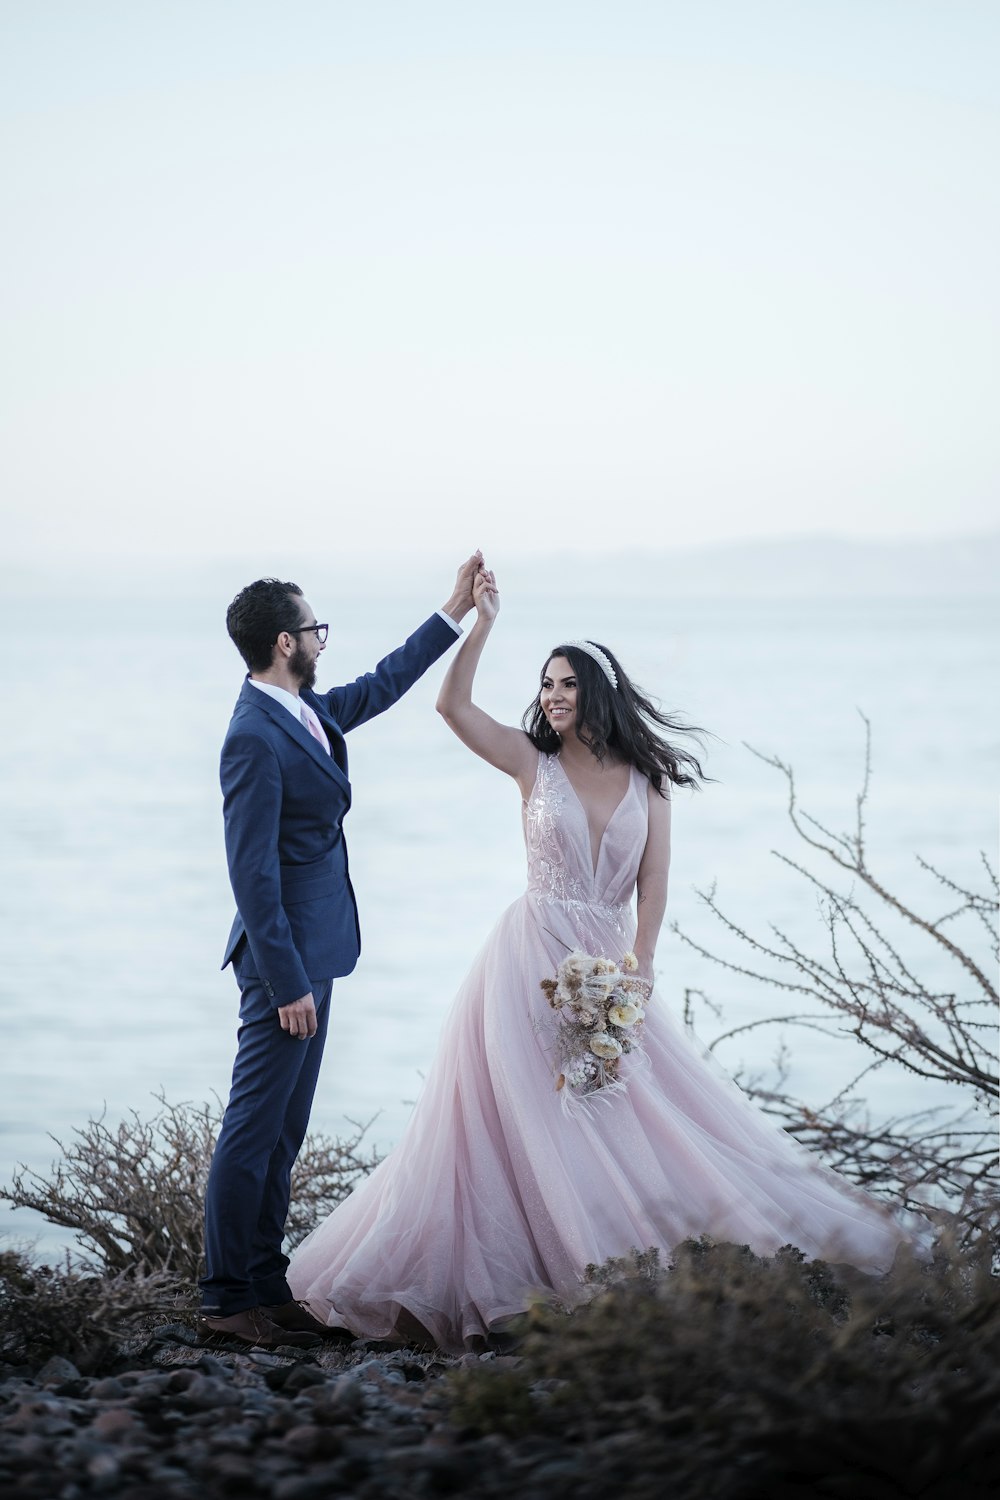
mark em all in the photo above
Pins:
pixel 187 1422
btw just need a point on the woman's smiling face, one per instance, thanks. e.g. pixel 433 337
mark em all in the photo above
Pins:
pixel 558 695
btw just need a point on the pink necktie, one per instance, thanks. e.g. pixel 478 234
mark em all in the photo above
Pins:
pixel 314 728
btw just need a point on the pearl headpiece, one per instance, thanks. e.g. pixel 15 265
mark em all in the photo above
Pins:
pixel 596 654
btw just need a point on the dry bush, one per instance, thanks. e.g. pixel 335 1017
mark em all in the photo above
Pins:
pixel 325 1172
pixel 733 1375
pixel 869 988
pixel 134 1193
pixel 47 1310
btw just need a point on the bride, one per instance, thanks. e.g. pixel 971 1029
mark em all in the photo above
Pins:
pixel 506 1184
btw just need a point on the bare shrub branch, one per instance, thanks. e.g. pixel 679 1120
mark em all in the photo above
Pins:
pixel 134 1193
pixel 325 1172
pixel 59 1310
pixel 869 989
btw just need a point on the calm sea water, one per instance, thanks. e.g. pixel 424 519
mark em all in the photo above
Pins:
pixel 115 900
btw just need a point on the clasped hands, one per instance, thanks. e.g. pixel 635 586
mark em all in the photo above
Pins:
pixel 473 577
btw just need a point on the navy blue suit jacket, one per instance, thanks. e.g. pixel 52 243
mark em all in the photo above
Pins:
pixel 284 802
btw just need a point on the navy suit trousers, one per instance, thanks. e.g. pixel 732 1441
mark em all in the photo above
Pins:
pixel 246 1202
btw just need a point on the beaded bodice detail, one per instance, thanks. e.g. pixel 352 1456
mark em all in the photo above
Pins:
pixel 557 836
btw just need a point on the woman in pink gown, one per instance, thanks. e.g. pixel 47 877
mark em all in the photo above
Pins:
pixel 502 1189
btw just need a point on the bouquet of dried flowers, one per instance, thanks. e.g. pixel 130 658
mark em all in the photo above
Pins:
pixel 600 1010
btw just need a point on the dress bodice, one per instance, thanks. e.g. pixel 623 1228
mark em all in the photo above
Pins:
pixel 557 835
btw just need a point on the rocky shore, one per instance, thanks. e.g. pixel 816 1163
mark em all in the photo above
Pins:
pixel 184 1421
pixel 644 1396
pixel 730 1376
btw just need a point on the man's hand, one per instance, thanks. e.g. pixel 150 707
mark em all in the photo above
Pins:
pixel 298 1018
pixel 461 601
pixel 486 595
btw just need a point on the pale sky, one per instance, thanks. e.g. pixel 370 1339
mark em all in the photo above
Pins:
pixel 357 273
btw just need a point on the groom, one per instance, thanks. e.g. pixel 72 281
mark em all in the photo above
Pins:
pixel 285 795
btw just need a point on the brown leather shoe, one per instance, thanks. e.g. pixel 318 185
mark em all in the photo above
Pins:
pixel 298 1319
pixel 254 1327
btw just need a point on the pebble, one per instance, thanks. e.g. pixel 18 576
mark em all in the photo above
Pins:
pixel 57 1371
pixel 303 1376
pixel 108 1389
pixel 179 1423
pixel 117 1422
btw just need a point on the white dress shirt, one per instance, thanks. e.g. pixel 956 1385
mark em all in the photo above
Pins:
pixel 296 707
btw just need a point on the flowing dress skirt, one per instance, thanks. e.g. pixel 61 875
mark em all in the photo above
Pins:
pixel 498 1193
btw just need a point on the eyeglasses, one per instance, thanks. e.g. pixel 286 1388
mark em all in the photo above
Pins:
pixel 322 631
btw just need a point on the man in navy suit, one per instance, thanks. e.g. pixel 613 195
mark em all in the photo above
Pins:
pixel 285 795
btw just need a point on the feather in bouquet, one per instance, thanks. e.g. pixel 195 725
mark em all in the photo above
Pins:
pixel 601 1011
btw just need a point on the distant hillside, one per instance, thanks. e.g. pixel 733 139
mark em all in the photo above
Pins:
pixel 797 567
pixel 783 567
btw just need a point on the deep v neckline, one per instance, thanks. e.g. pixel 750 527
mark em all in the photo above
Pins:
pixel 595 859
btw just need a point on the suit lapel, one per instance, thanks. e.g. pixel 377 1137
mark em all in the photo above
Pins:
pixel 332 729
pixel 293 727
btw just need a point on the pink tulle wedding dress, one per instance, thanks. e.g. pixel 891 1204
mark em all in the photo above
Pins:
pixel 499 1193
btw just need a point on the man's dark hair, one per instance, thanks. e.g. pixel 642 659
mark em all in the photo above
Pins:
pixel 258 615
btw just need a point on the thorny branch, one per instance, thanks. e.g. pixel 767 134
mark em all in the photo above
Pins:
pixel 867 989
pixel 134 1194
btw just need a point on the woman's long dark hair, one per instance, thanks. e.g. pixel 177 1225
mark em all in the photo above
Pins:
pixel 622 720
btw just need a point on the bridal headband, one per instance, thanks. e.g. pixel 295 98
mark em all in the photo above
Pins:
pixel 596 654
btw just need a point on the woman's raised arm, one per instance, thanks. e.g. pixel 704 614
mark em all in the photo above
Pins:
pixel 505 747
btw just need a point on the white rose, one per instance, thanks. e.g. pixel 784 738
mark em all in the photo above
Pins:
pixel 603 1045
pixel 624 1015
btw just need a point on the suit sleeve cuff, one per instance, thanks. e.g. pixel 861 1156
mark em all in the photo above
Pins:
pixel 456 627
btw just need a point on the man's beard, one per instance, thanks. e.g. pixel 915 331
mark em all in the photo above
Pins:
pixel 301 667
